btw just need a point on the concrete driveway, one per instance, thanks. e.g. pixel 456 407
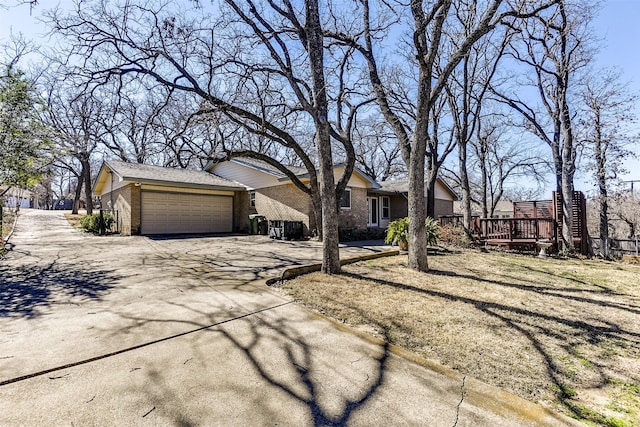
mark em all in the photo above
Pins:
pixel 141 331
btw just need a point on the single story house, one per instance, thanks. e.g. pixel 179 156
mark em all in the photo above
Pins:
pixel 16 197
pixel 157 200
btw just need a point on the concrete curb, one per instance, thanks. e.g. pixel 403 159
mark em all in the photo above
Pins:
pixel 476 392
pixel 292 272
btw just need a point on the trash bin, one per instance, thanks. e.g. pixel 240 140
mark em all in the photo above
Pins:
pixel 253 223
pixel 276 229
pixel 293 230
pixel 263 226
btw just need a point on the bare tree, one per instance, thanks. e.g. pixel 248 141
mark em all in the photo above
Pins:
pixel 500 161
pixel 555 47
pixel 608 114
pixel 377 153
pixel 431 59
pixel 75 119
pixel 262 66
pixel 466 96
pixel 625 206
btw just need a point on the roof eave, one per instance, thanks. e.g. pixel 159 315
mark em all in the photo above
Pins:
pixel 182 184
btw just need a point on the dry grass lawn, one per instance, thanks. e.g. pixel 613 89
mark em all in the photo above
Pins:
pixel 8 217
pixel 74 220
pixel 563 333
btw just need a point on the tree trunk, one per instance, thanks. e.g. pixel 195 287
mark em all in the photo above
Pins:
pixel 315 49
pixel 316 203
pixel 86 167
pixel 431 176
pixel 601 164
pixel 416 207
pixel 466 191
pixel 567 207
pixel 76 198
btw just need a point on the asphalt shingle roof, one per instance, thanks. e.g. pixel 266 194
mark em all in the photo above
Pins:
pixel 395 186
pixel 266 167
pixel 138 172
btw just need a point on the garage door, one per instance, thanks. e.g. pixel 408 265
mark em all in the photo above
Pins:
pixel 171 213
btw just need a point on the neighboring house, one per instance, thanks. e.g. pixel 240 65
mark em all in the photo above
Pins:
pixel 272 194
pixel 17 197
pixel 504 209
pixel 157 200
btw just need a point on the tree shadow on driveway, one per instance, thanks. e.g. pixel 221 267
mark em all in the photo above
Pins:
pixel 281 361
pixel 26 291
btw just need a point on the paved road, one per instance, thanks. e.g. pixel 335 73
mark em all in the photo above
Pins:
pixel 139 331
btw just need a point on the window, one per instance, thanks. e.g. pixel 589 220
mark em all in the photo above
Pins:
pixel 385 207
pixel 252 199
pixel 345 201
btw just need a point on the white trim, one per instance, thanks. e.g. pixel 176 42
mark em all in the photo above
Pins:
pixel 370 211
pixel 382 207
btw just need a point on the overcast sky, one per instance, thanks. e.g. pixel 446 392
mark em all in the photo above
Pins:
pixel 617 24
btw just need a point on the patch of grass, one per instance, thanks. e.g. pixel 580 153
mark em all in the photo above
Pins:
pixel 549 330
pixel 8 218
pixel 74 220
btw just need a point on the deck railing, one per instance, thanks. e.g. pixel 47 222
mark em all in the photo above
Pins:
pixel 517 229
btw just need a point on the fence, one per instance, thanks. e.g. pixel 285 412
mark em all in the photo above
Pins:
pixel 622 246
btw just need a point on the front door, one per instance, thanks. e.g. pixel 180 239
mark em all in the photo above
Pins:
pixel 372 203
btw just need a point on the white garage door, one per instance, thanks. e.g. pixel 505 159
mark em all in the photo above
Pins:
pixel 171 213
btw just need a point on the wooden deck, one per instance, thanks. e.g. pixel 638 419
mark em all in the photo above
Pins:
pixel 515 244
pixel 518 229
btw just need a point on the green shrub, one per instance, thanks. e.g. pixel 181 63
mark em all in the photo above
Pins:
pixel 92 222
pixel 398 231
pixel 432 230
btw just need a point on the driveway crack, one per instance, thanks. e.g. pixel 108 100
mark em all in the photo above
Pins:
pixel 462 394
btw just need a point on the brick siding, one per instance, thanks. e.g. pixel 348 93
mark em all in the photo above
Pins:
pixel 357 216
pixel 285 202
pixel 121 200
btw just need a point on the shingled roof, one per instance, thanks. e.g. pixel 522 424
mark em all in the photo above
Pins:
pixel 266 167
pixel 164 175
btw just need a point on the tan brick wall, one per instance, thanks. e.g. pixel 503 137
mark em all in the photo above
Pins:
pixel 241 211
pixel 398 207
pixel 136 199
pixel 284 202
pixel 120 200
pixel 443 207
pixel 357 216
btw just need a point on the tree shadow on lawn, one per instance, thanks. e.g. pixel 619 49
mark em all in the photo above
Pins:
pixel 26 290
pixel 535 326
pixel 564 293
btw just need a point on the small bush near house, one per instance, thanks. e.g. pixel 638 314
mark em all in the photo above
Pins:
pixel 398 231
pixel 92 222
pixel 358 234
pixel 432 230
